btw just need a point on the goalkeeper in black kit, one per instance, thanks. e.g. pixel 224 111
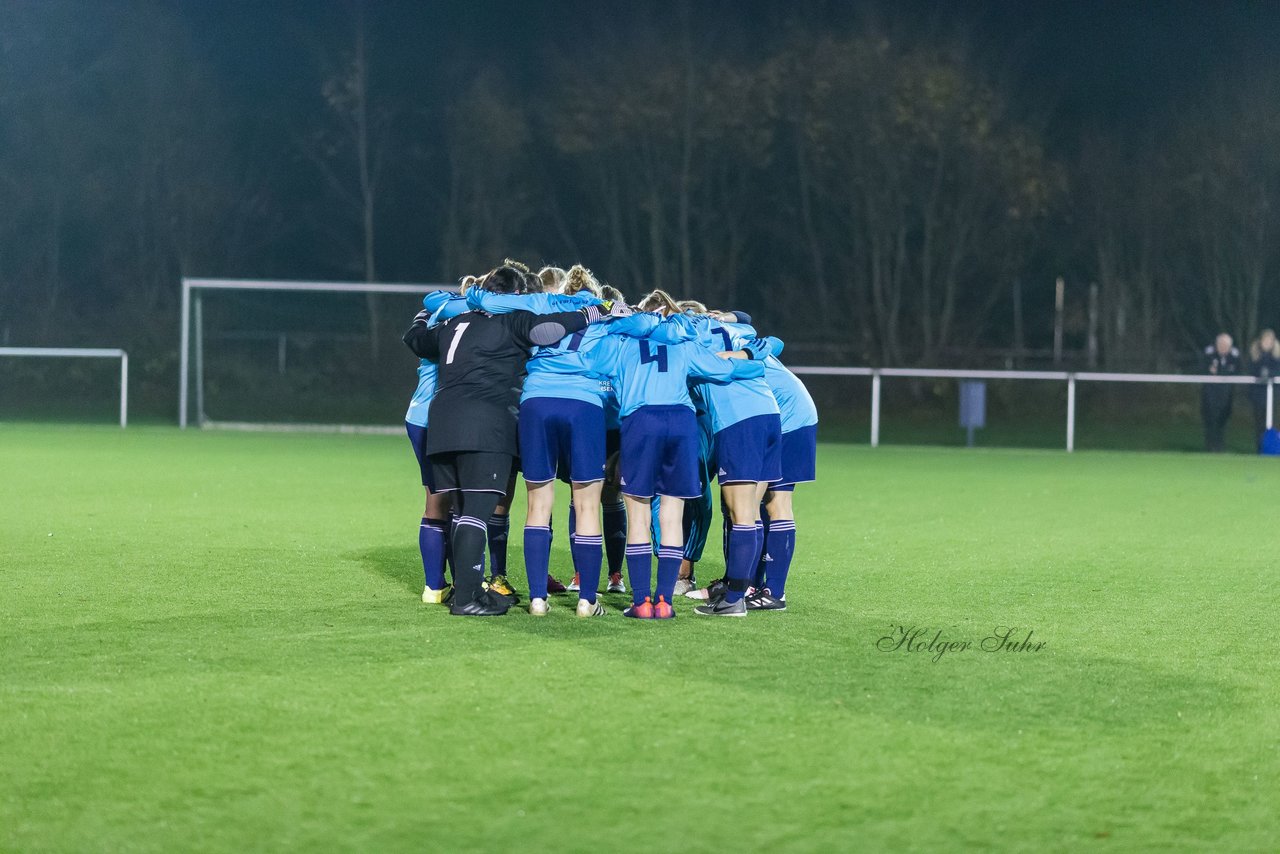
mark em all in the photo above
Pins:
pixel 472 440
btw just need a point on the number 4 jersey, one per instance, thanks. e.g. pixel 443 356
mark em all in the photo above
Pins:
pixel 646 373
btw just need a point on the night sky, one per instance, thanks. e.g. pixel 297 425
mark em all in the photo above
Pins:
pixel 84 121
pixel 1110 63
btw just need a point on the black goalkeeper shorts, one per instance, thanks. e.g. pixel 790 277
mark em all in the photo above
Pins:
pixel 471 471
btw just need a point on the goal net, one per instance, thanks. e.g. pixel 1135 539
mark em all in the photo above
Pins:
pixel 284 355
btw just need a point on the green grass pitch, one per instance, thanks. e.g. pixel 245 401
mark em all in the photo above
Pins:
pixel 214 642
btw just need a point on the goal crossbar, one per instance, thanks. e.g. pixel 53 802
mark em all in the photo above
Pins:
pixel 192 322
pixel 82 353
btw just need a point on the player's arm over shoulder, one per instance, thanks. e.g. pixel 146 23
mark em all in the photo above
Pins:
pixel 422 339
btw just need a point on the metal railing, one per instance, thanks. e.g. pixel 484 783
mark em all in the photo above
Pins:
pixel 83 353
pixel 1069 377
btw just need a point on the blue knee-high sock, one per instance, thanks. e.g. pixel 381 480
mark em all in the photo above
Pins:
pixel 742 561
pixel 573 522
pixel 669 558
pixel 431 543
pixel 498 528
pixel 588 552
pixel 537 556
pixel 615 535
pixel 782 546
pixel 640 571
pixel 762 563
pixel 757 565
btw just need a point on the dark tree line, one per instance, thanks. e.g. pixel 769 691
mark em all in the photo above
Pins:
pixel 874 193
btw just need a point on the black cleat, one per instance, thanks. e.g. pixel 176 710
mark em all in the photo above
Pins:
pixel 484 605
pixel 720 608
pixel 763 600
pixel 499 585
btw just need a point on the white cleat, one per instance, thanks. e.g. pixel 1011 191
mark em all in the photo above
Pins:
pixel 435 597
pixel 615 583
pixel 683 586
pixel 538 607
pixel 590 609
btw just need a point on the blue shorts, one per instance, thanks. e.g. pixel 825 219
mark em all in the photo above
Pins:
pixel 750 451
pixel 418 437
pixel 660 453
pixel 561 437
pixel 799 458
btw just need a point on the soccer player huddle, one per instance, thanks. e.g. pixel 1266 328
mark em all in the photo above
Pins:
pixel 554 376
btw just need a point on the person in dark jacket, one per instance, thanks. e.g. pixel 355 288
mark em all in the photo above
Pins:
pixel 1221 360
pixel 1264 363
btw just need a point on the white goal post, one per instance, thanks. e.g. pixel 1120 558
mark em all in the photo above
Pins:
pixel 193 333
pixel 82 353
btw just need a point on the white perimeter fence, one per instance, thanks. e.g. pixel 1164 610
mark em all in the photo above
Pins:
pixel 192 339
pixel 83 353
pixel 1069 377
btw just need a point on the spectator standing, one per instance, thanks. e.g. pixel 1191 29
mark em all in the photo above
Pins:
pixel 1221 360
pixel 1264 363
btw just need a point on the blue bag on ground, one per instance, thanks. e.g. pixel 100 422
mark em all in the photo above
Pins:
pixel 1270 443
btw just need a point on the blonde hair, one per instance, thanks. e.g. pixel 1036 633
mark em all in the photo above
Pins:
pixel 1255 349
pixel 552 279
pixel 466 283
pixel 579 279
pixel 612 294
pixel 659 301
pixel 519 265
pixel 692 306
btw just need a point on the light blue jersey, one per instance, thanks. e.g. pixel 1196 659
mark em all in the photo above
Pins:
pixel 646 373
pixel 726 405
pixel 435 302
pixel 565 369
pixel 483 300
pixel 794 402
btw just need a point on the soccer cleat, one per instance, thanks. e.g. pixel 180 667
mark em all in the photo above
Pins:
pixel 573 587
pixel 538 607
pixel 719 608
pixel 437 597
pixel 683 586
pixel 499 586
pixel 590 609
pixel 554 585
pixel 643 611
pixel 662 609
pixel 615 583
pixel 763 600
pixel 485 605
pixel 714 590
